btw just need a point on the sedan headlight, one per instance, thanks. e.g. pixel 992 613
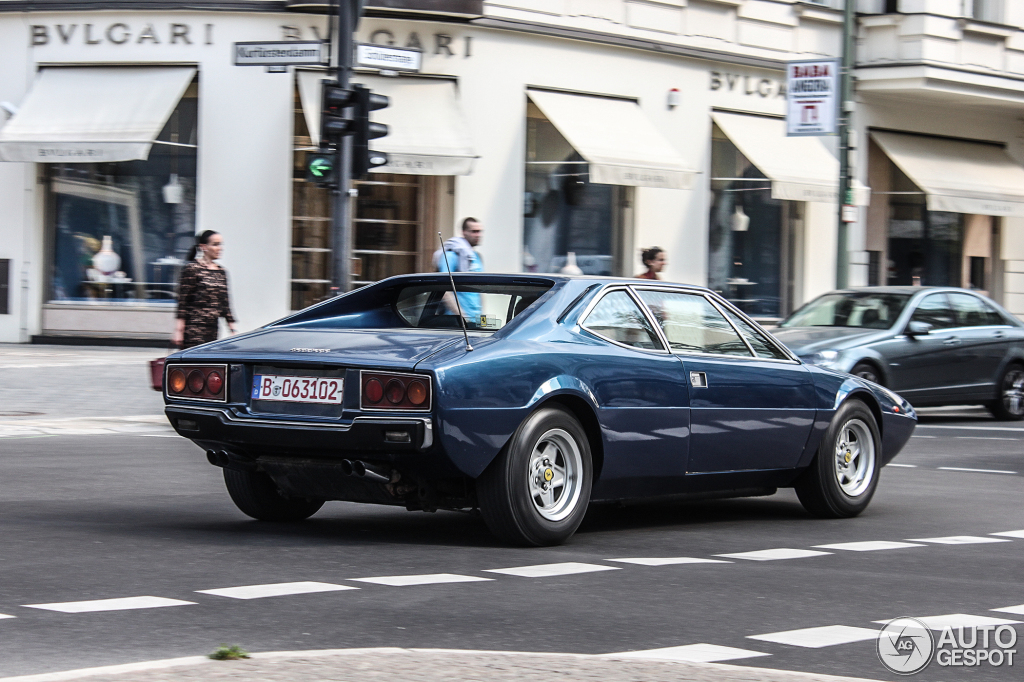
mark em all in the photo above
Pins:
pixel 825 358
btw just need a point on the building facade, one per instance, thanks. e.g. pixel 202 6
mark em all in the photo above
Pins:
pixel 574 130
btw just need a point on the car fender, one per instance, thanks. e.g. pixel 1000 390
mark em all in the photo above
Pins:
pixel 873 357
pixel 1013 355
pixel 849 388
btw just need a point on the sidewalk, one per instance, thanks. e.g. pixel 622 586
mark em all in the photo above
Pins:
pixel 426 665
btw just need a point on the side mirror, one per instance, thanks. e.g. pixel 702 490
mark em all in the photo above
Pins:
pixel 917 328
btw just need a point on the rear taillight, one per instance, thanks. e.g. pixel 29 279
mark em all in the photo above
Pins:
pixel 392 391
pixel 196 382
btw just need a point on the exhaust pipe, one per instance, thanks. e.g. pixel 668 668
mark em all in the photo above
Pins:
pixel 217 458
pixel 361 469
pixel 346 467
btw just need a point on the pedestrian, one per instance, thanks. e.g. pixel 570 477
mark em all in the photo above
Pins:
pixel 462 256
pixel 654 260
pixel 202 294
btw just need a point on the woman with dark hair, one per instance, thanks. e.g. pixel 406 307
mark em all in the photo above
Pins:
pixel 202 294
pixel 654 261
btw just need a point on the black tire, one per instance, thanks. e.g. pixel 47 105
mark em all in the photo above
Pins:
pixel 865 370
pixel 1009 405
pixel 256 495
pixel 512 501
pixel 820 489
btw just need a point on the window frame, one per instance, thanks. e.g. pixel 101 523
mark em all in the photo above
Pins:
pixel 664 350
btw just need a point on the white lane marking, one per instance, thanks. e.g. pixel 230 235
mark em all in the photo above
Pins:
pixel 817 638
pixel 82 426
pixel 977 471
pixel 159 435
pixel 985 438
pixel 902 466
pixel 275 590
pixel 1018 609
pixel 969 428
pixel 428 579
pixel 959 540
pixel 121 604
pixel 4 615
pixel 917 436
pixel 775 554
pixel 956 620
pixel 670 561
pixel 551 570
pixel 691 653
pixel 869 546
pixel 1010 533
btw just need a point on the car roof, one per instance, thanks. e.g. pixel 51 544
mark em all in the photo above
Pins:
pixel 522 277
pixel 907 290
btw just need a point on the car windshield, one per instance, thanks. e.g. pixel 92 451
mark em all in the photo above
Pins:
pixel 859 309
pixel 485 307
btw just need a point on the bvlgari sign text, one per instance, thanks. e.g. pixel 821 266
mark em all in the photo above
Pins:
pixel 120 33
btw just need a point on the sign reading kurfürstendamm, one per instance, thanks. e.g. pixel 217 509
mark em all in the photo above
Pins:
pixel 282 53
pixel 812 91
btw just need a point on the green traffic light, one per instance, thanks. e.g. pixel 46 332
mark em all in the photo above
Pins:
pixel 321 167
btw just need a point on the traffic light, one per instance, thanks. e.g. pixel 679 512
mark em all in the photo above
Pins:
pixel 364 130
pixel 321 168
pixel 334 124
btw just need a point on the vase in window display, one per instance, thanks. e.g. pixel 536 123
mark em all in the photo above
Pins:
pixel 106 260
pixel 570 267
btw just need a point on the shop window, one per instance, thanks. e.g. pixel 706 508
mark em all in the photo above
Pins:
pixel 874 268
pixel 751 235
pixel 388 230
pixel 977 272
pixel 312 246
pixel 924 246
pixel 119 232
pixel 5 286
pixel 567 217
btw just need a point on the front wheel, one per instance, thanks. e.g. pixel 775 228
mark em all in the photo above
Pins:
pixel 256 495
pixel 1009 406
pixel 844 474
pixel 537 490
pixel 866 370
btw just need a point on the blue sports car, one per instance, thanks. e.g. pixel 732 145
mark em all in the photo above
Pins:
pixel 560 392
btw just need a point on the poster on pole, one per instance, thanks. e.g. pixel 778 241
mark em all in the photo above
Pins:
pixel 812 97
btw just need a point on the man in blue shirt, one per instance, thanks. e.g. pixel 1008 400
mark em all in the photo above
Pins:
pixel 463 257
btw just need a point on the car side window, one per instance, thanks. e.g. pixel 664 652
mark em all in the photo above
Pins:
pixel 692 324
pixel 934 310
pixel 763 348
pixel 971 311
pixel 618 318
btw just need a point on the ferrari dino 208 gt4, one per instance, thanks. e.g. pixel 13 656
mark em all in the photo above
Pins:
pixel 544 394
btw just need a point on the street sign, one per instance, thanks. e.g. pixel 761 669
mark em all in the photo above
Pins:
pixel 282 53
pixel 812 94
pixel 388 58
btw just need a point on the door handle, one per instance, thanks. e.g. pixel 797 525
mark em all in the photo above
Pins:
pixel 999 334
pixel 698 379
pixel 952 341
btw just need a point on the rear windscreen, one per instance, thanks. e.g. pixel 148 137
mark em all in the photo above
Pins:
pixel 484 307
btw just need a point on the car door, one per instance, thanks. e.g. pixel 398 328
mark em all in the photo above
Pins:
pixel 751 405
pixel 927 369
pixel 984 340
pixel 642 399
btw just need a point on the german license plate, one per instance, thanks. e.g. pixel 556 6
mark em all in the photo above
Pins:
pixel 292 389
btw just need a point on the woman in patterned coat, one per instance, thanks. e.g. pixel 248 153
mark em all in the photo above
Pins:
pixel 202 294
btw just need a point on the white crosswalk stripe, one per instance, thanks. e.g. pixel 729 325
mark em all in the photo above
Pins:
pixel 960 540
pixel 275 590
pixel 4 615
pixel 817 638
pixel 775 554
pixel 870 546
pixel 1018 609
pixel 427 579
pixel 692 653
pixel 1010 534
pixel 550 570
pixel 956 620
pixel 670 561
pixel 120 604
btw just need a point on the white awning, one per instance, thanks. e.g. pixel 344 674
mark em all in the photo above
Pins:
pixel 620 143
pixel 800 168
pixel 311 96
pixel 93 114
pixel 960 177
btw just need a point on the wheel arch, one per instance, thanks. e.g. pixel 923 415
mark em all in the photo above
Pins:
pixel 877 365
pixel 871 402
pixel 583 411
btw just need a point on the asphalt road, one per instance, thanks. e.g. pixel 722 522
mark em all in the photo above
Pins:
pixel 128 510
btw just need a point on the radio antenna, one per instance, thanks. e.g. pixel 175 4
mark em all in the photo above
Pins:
pixel 444 257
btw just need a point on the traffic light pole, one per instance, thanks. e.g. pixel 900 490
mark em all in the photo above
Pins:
pixel 845 114
pixel 341 223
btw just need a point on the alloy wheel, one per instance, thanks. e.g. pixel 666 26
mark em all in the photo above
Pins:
pixel 1013 392
pixel 554 475
pixel 854 458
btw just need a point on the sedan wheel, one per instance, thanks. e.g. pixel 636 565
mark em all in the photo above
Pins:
pixel 537 489
pixel 1010 404
pixel 843 476
pixel 866 371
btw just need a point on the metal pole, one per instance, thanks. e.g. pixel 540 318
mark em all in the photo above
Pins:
pixel 845 114
pixel 341 223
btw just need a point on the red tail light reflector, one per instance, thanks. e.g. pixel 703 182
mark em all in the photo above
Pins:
pixel 214 382
pixel 176 381
pixel 395 391
pixel 196 382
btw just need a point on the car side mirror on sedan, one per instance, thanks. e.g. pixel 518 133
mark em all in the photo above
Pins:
pixel 918 328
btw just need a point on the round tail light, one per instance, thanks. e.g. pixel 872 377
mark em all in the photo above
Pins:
pixel 214 382
pixel 196 381
pixel 373 391
pixel 395 392
pixel 417 393
pixel 176 380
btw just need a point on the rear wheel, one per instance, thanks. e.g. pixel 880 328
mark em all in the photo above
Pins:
pixel 844 474
pixel 257 495
pixel 537 490
pixel 1009 406
pixel 865 370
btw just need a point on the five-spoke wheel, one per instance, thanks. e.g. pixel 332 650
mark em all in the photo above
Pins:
pixel 1009 406
pixel 855 457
